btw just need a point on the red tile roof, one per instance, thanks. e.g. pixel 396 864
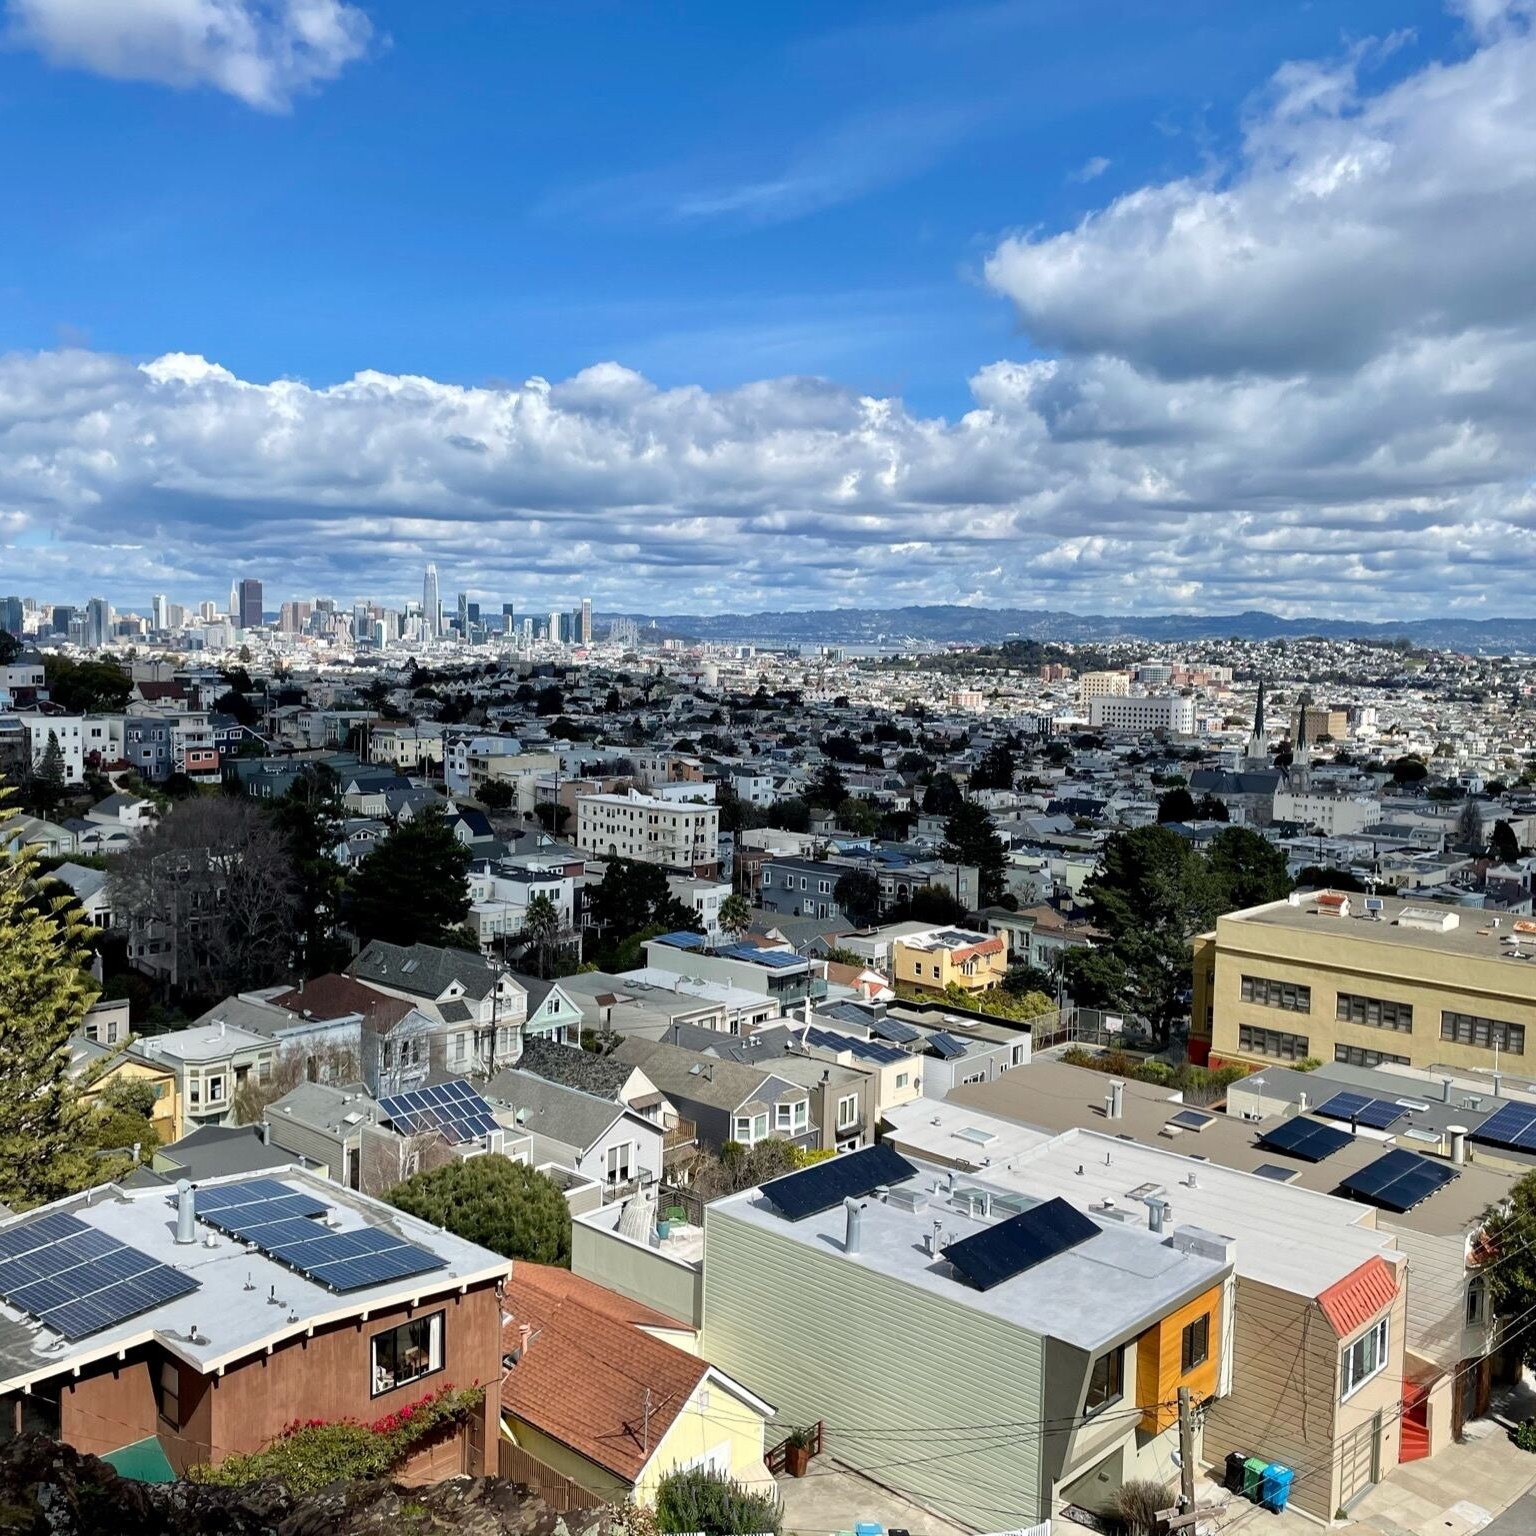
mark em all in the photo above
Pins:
pixel 1349 1304
pixel 334 997
pixel 584 1377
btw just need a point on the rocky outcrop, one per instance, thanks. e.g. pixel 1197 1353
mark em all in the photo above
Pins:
pixel 46 1489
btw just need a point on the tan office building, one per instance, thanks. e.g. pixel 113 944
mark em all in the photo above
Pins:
pixel 1336 977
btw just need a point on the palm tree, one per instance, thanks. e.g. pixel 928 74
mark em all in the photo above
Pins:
pixel 541 933
pixel 735 915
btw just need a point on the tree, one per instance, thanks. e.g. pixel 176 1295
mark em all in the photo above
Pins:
pixel 858 894
pixel 995 770
pixel 541 934
pixel 87 687
pixel 1211 808
pixel 1177 805
pixel 942 795
pixel 237 707
pixel 1503 845
pixel 501 1205
pixel 1316 878
pixel 10 647
pixel 44 995
pixel 48 782
pixel 496 794
pixel 735 915
pixel 1408 770
pixel 312 820
pixel 740 1167
pixel 1151 894
pixel 828 788
pixel 858 816
pixel 1094 977
pixel 413 887
pixel 215 881
pixel 935 904
pixel 971 838
pixel 1506 1253
pixel 1470 836
pixel 549 701
pixel 633 897
pixel 1246 870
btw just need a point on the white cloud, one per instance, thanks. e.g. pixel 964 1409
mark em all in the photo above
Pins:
pixel 1091 169
pixel 265 52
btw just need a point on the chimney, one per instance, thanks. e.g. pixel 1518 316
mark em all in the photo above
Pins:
pixel 1445 1089
pixel 186 1213
pixel 1114 1101
pixel 855 1214
pixel 935 1239
pixel 1458 1135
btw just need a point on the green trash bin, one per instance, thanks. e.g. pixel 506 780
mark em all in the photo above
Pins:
pixel 1253 1477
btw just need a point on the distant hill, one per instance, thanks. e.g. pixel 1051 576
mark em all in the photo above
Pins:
pixel 941 623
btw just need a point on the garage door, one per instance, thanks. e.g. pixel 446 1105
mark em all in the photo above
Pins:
pixel 1359 1460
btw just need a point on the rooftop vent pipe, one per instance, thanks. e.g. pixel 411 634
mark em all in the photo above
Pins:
pixel 1458 1135
pixel 855 1214
pixel 186 1213
pixel 1114 1103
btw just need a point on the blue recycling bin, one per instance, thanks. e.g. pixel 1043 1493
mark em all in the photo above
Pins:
pixel 1275 1489
pixel 869 1528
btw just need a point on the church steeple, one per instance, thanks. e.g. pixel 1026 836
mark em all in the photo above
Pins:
pixel 1257 751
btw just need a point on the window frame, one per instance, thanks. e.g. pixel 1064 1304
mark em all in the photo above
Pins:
pixel 1113 1389
pixel 1190 1340
pixel 1378 1335
pixel 851 1100
pixel 437 1331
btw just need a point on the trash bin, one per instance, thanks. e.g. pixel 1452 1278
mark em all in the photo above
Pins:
pixel 869 1528
pixel 1236 1460
pixel 1276 1486
pixel 1253 1476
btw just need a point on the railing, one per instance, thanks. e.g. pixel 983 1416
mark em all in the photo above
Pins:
pixel 683 1134
pixel 778 1458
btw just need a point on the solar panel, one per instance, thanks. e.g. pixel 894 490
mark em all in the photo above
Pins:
pixel 1362 1109
pixel 454 1110
pixel 1399 1181
pixel 998 1253
pixel 225 1197
pixel 1192 1120
pixel 947 1046
pixel 1276 1172
pixel 1512 1125
pixel 76 1280
pixel 894 1030
pixel 1307 1139
pixel 849 1177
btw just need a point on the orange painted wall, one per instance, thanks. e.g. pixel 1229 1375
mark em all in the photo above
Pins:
pixel 1159 1356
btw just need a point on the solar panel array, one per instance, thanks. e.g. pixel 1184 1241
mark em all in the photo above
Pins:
pixel 453 1109
pixel 998 1253
pixel 1512 1125
pixel 1307 1139
pixel 849 1177
pixel 894 1031
pixel 76 1280
pixel 1399 1181
pixel 280 1221
pixel 947 1046
pixel 1362 1109
pixel 863 1050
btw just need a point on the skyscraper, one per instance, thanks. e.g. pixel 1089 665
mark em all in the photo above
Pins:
pixel 431 607
pixel 463 618
pixel 234 602
pixel 586 621
pixel 159 614
pixel 10 615
pixel 554 629
pixel 98 623
pixel 249 609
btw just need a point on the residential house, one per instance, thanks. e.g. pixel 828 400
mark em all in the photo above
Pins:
pixel 195 1364
pixel 211 1062
pixel 778 974
pixel 950 957
pixel 647 1002
pixel 682 834
pixel 89 887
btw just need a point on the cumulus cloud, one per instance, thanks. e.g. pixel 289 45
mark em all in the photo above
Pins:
pixel 1306 383
pixel 265 52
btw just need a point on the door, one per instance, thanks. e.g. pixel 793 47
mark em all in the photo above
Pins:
pixel 1360 1460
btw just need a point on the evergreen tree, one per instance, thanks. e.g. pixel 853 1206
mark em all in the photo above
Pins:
pixel 312 818
pixel 971 838
pixel 1470 837
pixel 44 995
pixel 1246 870
pixel 942 795
pixel 858 894
pixel 48 783
pixel 1503 845
pixel 828 788
pixel 501 1205
pixel 1177 805
pixel 413 887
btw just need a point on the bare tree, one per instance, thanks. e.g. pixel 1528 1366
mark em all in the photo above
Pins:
pixel 210 896
pixel 327 1063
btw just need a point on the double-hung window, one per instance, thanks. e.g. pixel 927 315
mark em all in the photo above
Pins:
pixel 793 1117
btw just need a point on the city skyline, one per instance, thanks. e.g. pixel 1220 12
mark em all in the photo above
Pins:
pixel 1127 319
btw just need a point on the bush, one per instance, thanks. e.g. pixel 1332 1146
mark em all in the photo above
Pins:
pixel 1525 1435
pixel 492 1201
pixel 1138 1501
pixel 311 1454
pixel 717 1506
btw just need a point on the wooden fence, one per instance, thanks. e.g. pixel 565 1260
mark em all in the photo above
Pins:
pixel 558 1491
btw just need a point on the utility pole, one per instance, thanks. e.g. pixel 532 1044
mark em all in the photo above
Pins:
pixel 1186 1450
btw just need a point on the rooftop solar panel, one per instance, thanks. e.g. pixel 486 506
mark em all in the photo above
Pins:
pixel 221 1197
pixel 998 1253
pixel 947 1046
pixel 1307 1139
pixel 849 1177
pixel 1398 1181
pixel 1362 1109
pixel 453 1110
pixel 1511 1125
pixel 894 1030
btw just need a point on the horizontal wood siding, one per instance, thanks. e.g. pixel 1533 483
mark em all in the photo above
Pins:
pixel 1160 1358
pixel 821 1337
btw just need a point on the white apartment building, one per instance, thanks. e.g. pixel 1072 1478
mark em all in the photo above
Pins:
pixel 1336 815
pixel 68 731
pixel 1170 712
pixel 655 831
pixel 1102 685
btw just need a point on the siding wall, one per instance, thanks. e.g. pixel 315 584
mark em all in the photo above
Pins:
pixel 641 1273
pixel 1437 1298
pixel 780 1318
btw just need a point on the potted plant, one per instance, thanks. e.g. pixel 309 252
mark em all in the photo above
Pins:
pixel 797 1451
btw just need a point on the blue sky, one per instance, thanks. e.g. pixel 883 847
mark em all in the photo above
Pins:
pixel 480 193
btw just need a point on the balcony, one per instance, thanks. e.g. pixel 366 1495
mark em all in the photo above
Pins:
pixel 680 1143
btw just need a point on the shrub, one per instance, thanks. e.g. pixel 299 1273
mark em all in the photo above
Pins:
pixel 1525 1435
pixel 501 1205
pixel 1138 1501
pixel 311 1453
pixel 705 1501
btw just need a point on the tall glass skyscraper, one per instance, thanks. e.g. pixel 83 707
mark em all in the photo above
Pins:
pixel 431 607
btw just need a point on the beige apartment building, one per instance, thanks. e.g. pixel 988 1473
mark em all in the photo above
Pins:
pixel 1337 977
pixel 1103 685
pixel 681 834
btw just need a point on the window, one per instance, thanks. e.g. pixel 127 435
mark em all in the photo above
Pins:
pixel 1362 1360
pixel 264 1071
pixel 902 1079
pixel 461 1047
pixel 407 1353
pixel 1477 1302
pixel 1358 1056
pixel 1290 995
pixel 824 887
pixel 1272 1042
pixel 1195 1345
pixel 1468 1029
pixel 847 1111
pixel 1106 1381
pixel 792 1117
pixel 751 1129
pixel 1016 1056
pixel 1374 1013
pixel 621 1163
pixel 216 1088
pixel 168 1393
